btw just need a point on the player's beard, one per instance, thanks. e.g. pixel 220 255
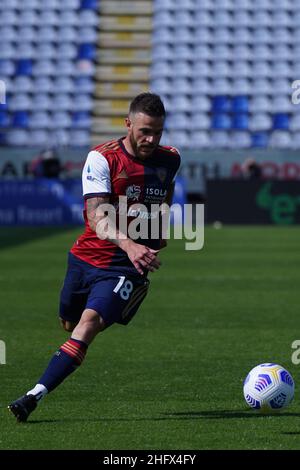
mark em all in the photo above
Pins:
pixel 138 149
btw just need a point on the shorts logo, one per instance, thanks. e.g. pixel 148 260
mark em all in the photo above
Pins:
pixel 133 192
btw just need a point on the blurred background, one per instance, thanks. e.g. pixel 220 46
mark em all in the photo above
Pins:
pixel 224 68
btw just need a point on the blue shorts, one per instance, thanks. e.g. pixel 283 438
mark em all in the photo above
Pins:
pixel 115 295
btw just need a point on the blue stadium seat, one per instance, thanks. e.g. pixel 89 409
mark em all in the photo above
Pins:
pixel 199 140
pixel 60 137
pixel 282 104
pixel 66 34
pixel 160 86
pixel 88 18
pixel 84 85
pixel 163 18
pixel 43 84
pixel 86 34
pixel 179 138
pixel 221 68
pixel 180 103
pixel 46 50
pixel 81 120
pixel 9 4
pixel 65 85
pixel 201 68
pixel 221 86
pixel 260 122
pixel 260 139
pixel 28 18
pixel 262 86
pixel 70 5
pixel 82 102
pixel 25 50
pixel 8 33
pixel 185 35
pixel 4 119
pixel 200 121
pixel 49 18
pixel 220 139
pixel 22 83
pixel 240 140
pixel 39 120
pixel 39 137
pixel 221 104
pixel 242 52
pixel 181 68
pixel 242 85
pixel 296 140
pixel 240 121
pixel 183 51
pixel 26 34
pixel 20 102
pixel 66 51
pixel 201 103
pixel 24 67
pixel 65 68
pixel 89 4
pixel 280 139
pixel 30 4
pixel 42 102
pixel 87 51
pixel 61 120
pixel 221 121
pixel 162 51
pixel 295 122
pixel 222 53
pixel 17 137
pixel 184 18
pixel 201 86
pixel 20 119
pixel 261 103
pixel 62 102
pixel 162 36
pixel 49 4
pixel 80 138
pixel 179 85
pixel 177 121
pixel 281 121
pixel 9 18
pixel 47 34
pixel 240 104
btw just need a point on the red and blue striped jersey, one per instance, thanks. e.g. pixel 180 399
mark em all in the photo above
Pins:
pixel 111 171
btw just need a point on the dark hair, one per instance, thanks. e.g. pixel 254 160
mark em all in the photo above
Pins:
pixel 148 103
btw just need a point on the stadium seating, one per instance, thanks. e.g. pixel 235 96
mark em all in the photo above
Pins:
pixel 47 57
pixel 226 73
pixel 238 60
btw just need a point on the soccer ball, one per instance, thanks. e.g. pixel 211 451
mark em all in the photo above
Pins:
pixel 268 387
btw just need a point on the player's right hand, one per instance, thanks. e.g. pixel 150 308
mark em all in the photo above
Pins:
pixel 142 257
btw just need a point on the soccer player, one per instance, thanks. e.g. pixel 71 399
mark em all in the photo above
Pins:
pixel 107 274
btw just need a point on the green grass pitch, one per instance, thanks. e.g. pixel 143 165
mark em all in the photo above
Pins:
pixel 171 379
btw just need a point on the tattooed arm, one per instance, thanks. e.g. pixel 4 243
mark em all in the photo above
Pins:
pixel 93 210
pixel 100 216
